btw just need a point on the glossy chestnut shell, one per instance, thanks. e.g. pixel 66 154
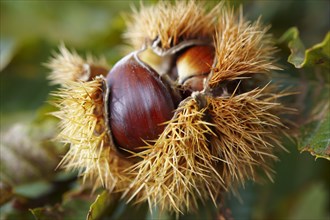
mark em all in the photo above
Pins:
pixel 138 105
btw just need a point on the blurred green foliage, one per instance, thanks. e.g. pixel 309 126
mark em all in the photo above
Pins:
pixel 32 30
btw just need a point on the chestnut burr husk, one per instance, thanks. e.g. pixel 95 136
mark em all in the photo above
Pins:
pixel 139 103
pixel 199 75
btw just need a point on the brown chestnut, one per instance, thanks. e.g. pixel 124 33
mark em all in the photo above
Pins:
pixel 139 103
pixel 194 65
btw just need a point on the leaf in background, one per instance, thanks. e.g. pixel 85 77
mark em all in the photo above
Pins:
pixel 33 190
pixel 14 215
pixel 291 37
pixel 104 203
pixel 314 83
pixel 79 205
pixel 316 134
pixel 55 213
pixel 318 55
pixel 75 209
pixel 25 158
pixel 75 206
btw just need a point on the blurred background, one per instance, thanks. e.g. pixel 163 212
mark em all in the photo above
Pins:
pixel 31 32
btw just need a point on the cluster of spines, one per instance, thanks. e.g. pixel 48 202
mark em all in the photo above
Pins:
pixel 82 126
pixel 208 150
pixel 242 48
pixel 171 170
pixel 68 66
pixel 171 23
pixel 245 126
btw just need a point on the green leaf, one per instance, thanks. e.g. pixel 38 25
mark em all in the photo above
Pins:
pixel 8 212
pixel 54 213
pixel 36 156
pixel 34 189
pixel 297 48
pixel 316 135
pixel 105 203
pixel 75 206
pixel 76 209
pixel 313 84
pixel 318 55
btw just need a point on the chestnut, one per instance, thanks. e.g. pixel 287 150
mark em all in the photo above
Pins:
pixel 194 65
pixel 139 103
